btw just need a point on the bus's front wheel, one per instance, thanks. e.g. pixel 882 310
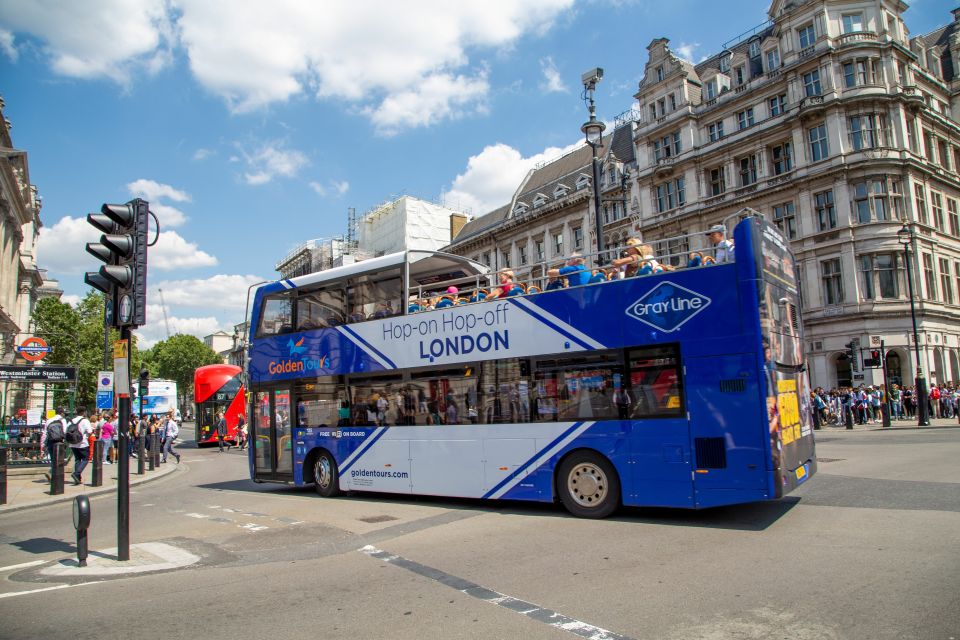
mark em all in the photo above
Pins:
pixel 326 476
pixel 588 485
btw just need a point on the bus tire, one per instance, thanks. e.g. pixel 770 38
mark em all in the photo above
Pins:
pixel 326 476
pixel 588 485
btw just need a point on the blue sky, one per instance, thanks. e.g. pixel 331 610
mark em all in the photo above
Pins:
pixel 251 130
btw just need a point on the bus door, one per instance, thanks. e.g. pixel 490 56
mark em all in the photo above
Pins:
pixel 728 426
pixel 272 436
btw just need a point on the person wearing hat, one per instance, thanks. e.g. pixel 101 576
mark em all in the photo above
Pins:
pixel 722 248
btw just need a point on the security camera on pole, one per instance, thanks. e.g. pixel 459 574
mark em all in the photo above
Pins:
pixel 123 278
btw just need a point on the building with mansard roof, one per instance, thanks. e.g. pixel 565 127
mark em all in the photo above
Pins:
pixel 830 120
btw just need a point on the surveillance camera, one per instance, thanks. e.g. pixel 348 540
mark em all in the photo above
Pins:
pixel 592 77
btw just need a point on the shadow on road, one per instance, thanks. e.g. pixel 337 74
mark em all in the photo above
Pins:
pixel 745 517
pixel 43 545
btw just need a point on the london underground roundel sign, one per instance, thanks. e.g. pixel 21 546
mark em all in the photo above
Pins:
pixel 34 349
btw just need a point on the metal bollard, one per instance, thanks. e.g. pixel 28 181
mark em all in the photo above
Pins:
pixel 140 454
pixel 157 442
pixel 97 480
pixel 3 475
pixel 57 464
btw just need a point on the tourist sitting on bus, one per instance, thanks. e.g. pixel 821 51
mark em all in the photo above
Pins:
pixel 478 295
pixel 554 283
pixel 630 258
pixel 518 290
pixel 505 286
pixel 357 315
pixel 599 275
pixel 447 300
pixel 722 248
pixel 695 259
pixel 415 305
pixel 574 271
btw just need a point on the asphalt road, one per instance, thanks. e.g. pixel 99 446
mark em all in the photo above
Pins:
pixel 867 549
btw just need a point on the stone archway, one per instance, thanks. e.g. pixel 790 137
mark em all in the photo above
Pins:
pixel 938 368
pixel 895 370
pixel 954 367
pixel 843 372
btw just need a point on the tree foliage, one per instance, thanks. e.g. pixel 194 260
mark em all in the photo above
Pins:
pixel 176 358
pixel 76 335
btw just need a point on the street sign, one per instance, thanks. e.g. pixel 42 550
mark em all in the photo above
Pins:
pixel 105 390
pixel 34 349
pixel 17 373
pixel 121 368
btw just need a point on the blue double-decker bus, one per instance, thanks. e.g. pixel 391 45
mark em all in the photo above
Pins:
pixel 685 388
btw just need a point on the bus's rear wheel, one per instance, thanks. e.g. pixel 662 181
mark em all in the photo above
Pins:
pixel 326 476
pixel 588 485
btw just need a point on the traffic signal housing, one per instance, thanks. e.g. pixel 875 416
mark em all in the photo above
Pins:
pixel 875 360
pixel 852 355
pixel 123 250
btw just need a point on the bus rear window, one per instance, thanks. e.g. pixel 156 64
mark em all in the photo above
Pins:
pixel 276 316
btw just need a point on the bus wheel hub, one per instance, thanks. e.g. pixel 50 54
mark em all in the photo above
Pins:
pixel 587 484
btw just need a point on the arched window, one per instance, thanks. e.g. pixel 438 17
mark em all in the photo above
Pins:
pixel 843 370
pixel 894 373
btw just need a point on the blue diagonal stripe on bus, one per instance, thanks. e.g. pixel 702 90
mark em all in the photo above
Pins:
pixel 527 305
pixel 526 464
pixel 363 343
pixel 363 449
pixel 554 326
pixel 356 452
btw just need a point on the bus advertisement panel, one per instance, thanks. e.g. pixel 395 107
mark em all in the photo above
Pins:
pixel 684 388
pixel 161 397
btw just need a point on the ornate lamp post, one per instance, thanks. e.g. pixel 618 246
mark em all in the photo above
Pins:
pixel 905 237
pixel 593 131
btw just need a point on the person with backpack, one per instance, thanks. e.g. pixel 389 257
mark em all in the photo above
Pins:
pixel 170 432
pixel 53 431
pixel 77 437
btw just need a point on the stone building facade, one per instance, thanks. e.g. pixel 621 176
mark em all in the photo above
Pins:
pixel 830 120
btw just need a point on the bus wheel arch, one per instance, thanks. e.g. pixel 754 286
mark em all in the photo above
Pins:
pixel 587 484
pixel 323 472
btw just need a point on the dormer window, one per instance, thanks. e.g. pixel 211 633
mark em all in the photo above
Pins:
pixel 583 181
pixel 521 207
pixel 660 73
pixel 725 63
pixel 561 190
pixel 755 49
pixel 539 200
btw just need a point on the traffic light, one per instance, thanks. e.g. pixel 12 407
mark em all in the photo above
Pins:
pixel 875 359
pixel 852 347
pixel 123 250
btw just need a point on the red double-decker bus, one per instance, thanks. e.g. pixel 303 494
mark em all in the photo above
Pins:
pixel 216 387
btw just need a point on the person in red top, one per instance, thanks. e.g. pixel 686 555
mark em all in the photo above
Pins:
pixel 106 435
pixel 505 286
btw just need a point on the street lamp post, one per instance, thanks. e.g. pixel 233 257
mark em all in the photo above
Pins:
pixel 593 131
pixel 905 236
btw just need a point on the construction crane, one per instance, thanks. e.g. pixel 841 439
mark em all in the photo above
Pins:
pixel 163 306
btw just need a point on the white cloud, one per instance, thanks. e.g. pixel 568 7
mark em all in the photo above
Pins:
pixel 60 249
pixel 155 330
pixel 7 45
pixel 492 177
pixel 202 154
pixel 269 161
pixel 685 50
pixel 173 252
pixel 109 38
pixel 552 82
pixel 71 299
pixel 220 292
pixel 341 187
pixel 338 187
pixel 400 63
pixel 152 191
pixel 438 97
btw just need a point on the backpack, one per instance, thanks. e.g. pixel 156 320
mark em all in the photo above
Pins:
pixel 55 431
pixel 73 435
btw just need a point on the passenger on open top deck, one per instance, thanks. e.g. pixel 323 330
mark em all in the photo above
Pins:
pixel 722 248
pixel 506 286
pixel 575 272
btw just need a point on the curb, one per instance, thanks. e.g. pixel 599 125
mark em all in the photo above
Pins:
pixel 94 491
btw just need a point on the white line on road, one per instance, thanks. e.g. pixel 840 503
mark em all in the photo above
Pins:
pixel 59 586
pixel 22 565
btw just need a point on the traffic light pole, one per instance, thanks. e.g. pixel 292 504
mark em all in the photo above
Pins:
pixel 123 471
pixel 886 384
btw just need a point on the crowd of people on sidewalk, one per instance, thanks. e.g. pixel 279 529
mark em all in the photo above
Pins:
pixel 864 404
pixel 81 432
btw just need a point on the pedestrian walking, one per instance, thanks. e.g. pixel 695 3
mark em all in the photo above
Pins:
pixel 221 430
pixel 170 433
pixel 53 434
pixel 107 430
pixel 77 436
pixel 242 432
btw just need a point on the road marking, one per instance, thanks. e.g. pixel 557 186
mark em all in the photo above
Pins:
pixel 59 586
pixel 22 565
pixel 532 611
pixel 250 526
pixel 196 515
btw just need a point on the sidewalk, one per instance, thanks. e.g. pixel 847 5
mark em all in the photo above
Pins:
pixel 910 423
pixel 27 490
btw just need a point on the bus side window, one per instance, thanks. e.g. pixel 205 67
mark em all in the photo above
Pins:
pixel 320 308
pixel 276 316
pixel 655 382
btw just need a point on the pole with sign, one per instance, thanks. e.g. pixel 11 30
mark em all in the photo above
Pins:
pixel 121 381
pixel 105 390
